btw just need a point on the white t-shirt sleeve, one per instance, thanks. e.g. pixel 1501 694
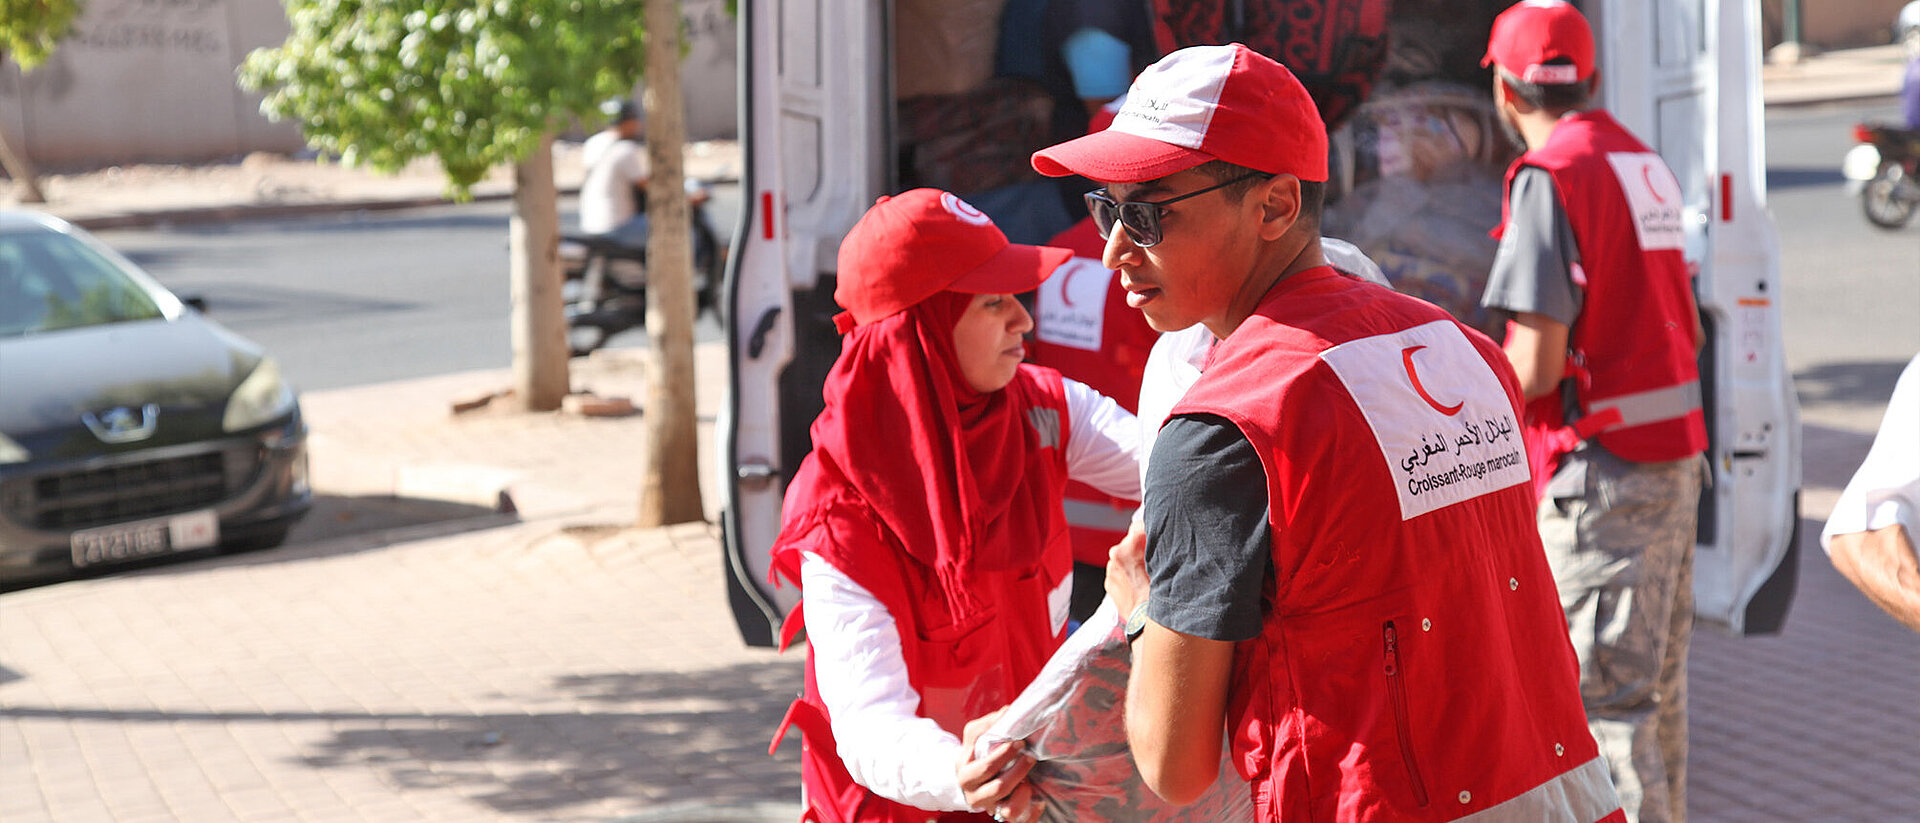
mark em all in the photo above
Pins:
pixel 1886 488
pixel 862 674
pixel 1103 442
pixel 633 164
pixel 1172 366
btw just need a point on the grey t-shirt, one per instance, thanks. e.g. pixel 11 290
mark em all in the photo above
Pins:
pixel 1209 546
pixel 1536 265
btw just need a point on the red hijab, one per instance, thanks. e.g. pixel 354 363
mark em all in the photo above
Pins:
pixel 943 466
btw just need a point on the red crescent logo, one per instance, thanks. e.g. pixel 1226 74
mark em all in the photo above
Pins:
pixel 1646 175
pixel 1406 357
pixel 1066 276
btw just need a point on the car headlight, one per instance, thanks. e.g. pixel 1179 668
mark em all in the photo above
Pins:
pixel 11 452
pixel 260 398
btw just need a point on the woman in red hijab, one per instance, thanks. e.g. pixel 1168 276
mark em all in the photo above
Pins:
pixel 925 529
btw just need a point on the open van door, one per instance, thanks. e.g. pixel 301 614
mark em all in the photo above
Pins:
pixel 1685 76
pixel 818 133
pixel 815 115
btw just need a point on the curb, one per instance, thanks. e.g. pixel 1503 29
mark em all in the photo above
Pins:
pixel 1817 101
pixel 215 214
pixel 266 211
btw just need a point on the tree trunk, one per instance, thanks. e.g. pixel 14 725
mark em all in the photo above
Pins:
pixel 22 171
pixel 539 324
pixel 670 476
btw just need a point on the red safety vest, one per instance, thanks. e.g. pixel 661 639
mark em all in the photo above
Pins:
pixel 1413 664
pixel 1090 334
pixel 961 665
pixel 1631 354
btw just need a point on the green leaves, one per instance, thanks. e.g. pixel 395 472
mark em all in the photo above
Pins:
pixel 29 29
pixel 473 84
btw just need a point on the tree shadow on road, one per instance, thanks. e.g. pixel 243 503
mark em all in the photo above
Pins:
pixel 1779 177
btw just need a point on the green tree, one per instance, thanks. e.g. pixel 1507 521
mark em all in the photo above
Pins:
pixel 29 31
pixel 473 84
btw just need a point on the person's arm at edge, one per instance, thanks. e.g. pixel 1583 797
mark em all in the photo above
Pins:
pixel 1532 282
pixel 1883 565
pixel 1176 691
pixel 1176 711
pixel 1537 347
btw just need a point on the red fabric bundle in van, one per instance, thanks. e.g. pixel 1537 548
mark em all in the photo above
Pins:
pixel 1335 47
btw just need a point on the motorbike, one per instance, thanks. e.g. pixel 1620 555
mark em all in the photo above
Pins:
pixel 1884 171
pixel 604 291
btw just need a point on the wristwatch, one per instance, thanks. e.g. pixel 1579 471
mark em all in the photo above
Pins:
pixel 1137 621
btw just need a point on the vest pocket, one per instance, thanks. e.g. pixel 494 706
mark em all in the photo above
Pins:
pixel 1402 723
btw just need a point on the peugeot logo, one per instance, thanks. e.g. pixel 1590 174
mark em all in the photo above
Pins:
pixel 119 425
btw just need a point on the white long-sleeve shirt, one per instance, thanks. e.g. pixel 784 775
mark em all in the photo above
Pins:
pixel 857 659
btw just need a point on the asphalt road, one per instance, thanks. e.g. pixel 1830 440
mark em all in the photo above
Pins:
pixel 1851 290
pixel 361 297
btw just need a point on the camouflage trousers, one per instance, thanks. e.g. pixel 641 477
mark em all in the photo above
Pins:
pixel 1620 537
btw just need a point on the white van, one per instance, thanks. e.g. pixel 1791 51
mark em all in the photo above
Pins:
pixel 822 139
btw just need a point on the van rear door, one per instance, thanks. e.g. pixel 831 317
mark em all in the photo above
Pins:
pixel 815 124
pixel 1685 76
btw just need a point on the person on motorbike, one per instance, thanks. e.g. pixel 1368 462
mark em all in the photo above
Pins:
pixel 1910 86
pixel 613 197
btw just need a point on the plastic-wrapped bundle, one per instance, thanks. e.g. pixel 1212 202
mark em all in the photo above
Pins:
pixel 1426 165
pixel 1073 719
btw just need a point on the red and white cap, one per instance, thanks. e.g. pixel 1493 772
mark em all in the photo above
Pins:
pixel 921 242
pixel 1530 36
pixel 1199 104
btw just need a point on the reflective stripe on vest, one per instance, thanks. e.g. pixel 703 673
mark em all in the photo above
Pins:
pixel 1653 406
pixel 1584 793
pixel 1099 516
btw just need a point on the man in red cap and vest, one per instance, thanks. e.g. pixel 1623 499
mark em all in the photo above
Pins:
pixel 1603 333
pixel 1341 579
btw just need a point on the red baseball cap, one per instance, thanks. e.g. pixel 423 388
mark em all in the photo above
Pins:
pixel 1198 104
pixel 921 242
pixel 1531 34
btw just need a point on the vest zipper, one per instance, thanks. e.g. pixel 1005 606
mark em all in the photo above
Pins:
pixel 1397 691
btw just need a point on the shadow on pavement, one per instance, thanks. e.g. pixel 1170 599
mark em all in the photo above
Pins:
pixel 1862 382
pixel 676 739
pixel 679 741
pixel 320 533
pixel 1796 178
pixel 335 516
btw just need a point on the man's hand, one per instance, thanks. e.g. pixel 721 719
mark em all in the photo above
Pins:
pixel 998 781
pixel 1127 571
pixel 1883 564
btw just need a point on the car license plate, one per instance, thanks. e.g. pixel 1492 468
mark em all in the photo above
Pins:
pixel 129 541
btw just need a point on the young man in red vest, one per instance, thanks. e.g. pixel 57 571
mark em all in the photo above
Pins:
pixel 1603 334
pixel 1341 574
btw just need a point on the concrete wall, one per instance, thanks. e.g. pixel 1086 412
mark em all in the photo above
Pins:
pixel 1834 24
pixel 153 81
pixel 146 80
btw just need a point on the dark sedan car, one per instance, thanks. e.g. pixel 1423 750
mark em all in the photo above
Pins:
pixel 130 425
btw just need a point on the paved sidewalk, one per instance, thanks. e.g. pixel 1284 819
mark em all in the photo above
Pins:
pixel 557 665
pixel 1835 76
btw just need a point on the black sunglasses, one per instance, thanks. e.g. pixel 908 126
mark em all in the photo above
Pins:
pixel 1142 217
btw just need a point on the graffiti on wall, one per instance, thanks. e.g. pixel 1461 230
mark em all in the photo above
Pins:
pixel 186 27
